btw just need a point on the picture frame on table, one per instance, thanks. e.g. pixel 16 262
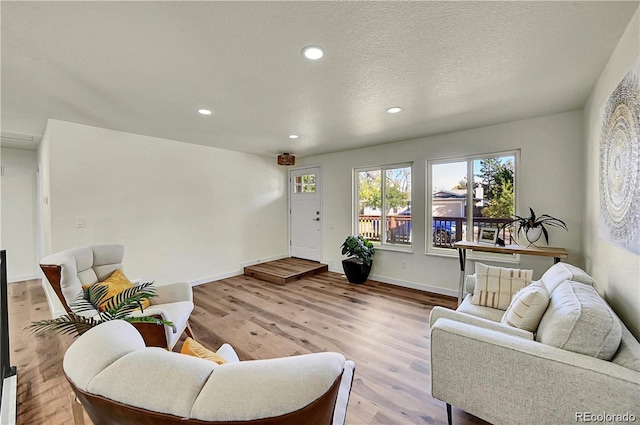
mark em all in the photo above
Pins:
pixel 488 235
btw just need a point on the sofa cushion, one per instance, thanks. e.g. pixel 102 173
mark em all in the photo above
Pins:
pixel 496 285
pixel 579 320
pixel 628 354
pixel 488 313
pixel 560 272
pixel 527 307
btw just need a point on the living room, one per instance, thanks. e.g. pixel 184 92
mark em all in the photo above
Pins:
pixel 196 213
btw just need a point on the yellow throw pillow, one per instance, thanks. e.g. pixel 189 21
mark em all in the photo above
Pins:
pixel 116 283
pixel 195 349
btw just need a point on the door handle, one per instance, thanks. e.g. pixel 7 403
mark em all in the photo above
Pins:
pixel 316 219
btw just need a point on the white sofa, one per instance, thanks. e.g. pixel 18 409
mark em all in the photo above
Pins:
pixel 120 381
pixel 66 271
pixel 505 375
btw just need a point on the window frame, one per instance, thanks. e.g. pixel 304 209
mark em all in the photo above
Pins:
pixel 469 159
pixel 355 222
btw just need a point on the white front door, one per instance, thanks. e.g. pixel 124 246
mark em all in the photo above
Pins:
pixel 304 217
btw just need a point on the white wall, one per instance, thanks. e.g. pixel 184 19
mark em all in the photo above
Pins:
pixel 550 171
pixel 19 213
pixel 183 211
pixel 616 270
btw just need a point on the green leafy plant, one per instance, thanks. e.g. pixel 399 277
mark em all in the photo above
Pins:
pixel 118 307
pixel 359 248
pixel 533 221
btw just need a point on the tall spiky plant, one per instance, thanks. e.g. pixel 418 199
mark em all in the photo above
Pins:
pixel 119 306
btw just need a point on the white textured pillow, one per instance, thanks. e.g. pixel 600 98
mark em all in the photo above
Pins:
pixel 560 272
pixel 527 307
pixel 579 320
pixel 496 285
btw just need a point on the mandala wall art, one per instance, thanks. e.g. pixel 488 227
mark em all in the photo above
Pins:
pixel 620 164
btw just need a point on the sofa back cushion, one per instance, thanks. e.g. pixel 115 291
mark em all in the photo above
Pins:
pixel 628 354
pixel 579 320
pixel 560 272
pixel 85 266
pixel 496 285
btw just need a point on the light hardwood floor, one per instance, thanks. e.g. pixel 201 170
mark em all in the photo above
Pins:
pixel 383 328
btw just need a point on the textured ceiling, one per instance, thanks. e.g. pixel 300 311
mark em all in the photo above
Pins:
pixel 146 67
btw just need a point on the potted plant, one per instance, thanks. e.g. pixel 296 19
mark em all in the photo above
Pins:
pixel 89 301
pixel 532 227
pixel 360 252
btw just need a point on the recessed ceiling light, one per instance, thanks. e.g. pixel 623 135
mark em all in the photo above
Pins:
pixel 312 52
pixel 204 111
pixel 293 136
pixel 394 110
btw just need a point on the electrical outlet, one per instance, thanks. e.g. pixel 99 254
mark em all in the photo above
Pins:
pixel 403 264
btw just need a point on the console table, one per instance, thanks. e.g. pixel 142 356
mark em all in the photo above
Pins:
pixel 463 246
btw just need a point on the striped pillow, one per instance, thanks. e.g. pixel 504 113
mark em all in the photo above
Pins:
pixel 527 307
pixel 496 285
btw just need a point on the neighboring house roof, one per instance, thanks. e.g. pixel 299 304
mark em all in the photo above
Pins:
pixel 447 194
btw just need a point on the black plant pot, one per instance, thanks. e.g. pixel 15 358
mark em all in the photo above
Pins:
pixel 355 270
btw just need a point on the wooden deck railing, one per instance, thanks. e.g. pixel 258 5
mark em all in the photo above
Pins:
pixel 446 230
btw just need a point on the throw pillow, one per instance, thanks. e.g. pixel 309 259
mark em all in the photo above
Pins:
pixel 115 284
pixel 579 320
pixel 193 348
pixel 496 285
pixel 527 307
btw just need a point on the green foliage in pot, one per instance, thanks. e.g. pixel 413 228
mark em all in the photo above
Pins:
pixel 358 247
pixel 119 307
pixel 533 221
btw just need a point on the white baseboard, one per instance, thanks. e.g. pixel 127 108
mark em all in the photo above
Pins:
pixel 9 395
pixel 14 279
pixel 200 281
pixel 263 260
pixel 208 279
pixel 406 284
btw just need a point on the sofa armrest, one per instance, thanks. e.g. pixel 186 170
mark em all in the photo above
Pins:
pixel 173 292
pixel 442 312
pixel 508 380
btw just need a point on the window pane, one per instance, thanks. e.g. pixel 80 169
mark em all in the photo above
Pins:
pixel 449 203
pixel 369 204
pixel 305 183
pixel 397 204
pixel 494 201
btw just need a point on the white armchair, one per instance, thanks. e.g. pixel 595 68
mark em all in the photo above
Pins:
pixel 68 270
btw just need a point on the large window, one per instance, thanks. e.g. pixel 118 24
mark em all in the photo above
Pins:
pixel 383 204
pixel 462 206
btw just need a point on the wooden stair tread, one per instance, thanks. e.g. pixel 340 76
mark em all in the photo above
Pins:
pixel 285 270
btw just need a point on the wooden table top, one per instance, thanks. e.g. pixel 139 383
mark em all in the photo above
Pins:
pixel 546 251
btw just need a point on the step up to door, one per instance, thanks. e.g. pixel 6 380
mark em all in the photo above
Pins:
pixel 285 270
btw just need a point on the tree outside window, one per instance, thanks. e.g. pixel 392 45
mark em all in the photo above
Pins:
pixel 383 204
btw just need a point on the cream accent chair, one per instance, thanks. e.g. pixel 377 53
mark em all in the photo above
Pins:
pixel 504 375
pixel 68 270
pixel 120 381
